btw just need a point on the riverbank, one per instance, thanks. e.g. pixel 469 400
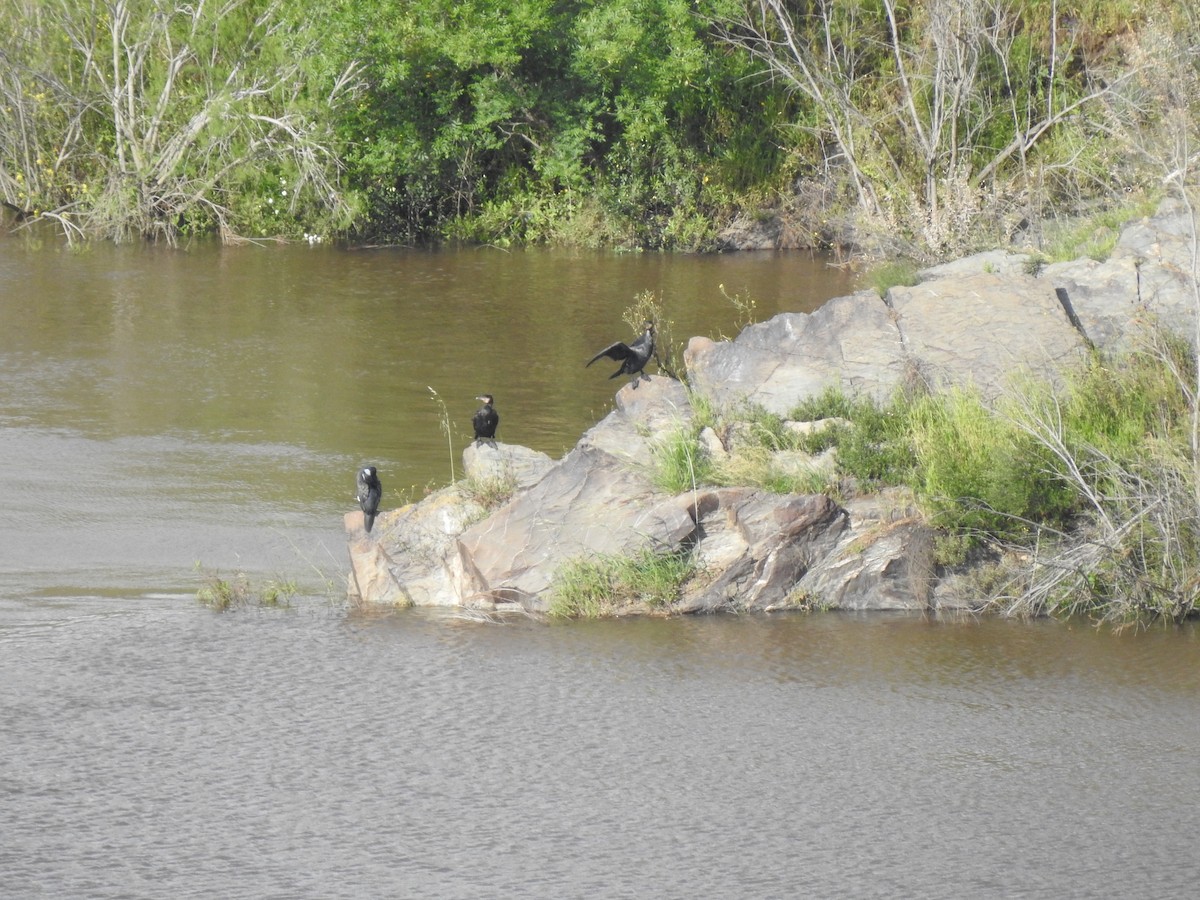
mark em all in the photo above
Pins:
pixel 519 530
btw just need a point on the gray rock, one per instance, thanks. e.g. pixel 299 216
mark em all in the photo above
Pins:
pixel 1104 297
pixel 990 262
pixel 598 500
pixel 711 445
pixel 850 342
pixel 497 462
pixel 1148 278
pixel 754 546
pixel 411 556
pixel 981 329
pixel 883 559
pixel 656 408
pixel 889 567
pixel 590 504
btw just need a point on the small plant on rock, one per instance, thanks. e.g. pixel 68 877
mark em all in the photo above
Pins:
pixel 897 273
pixel 647 307
pixel 489 492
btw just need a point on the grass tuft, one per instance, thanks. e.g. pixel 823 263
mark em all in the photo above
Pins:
pixel 223 594
pixel 894 273
pixel 679 462
pixel 606 585
pixel 1094 237
pixel 490 493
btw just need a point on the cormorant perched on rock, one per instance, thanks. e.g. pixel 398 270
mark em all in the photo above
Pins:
pixel 485 420
pixel 633 356
pixel 370 491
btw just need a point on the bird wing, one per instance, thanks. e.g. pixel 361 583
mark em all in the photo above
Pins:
pixel 619 351
pixel 369 491
pixel 479 420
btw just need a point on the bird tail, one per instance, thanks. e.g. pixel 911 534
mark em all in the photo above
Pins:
pixel 368 521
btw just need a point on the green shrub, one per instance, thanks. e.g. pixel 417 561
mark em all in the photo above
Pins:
pixel 979 474
pixel 1116 405
pixel 876 447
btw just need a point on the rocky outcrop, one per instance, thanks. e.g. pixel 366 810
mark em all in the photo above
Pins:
pixel 972 328
pixel 850 342
pixel 1150 273
pixel 977 321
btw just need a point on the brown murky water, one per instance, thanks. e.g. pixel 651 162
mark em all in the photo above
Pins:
pixel 160 408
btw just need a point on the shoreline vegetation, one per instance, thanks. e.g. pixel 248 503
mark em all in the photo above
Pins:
pixel 921 131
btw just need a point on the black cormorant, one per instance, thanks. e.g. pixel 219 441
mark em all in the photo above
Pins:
pixel 370 491
pixel 633 356
pixel 485 420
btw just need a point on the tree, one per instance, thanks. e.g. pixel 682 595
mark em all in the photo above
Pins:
pixel 505 119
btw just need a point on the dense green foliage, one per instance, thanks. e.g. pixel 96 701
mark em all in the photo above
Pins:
pixel 637 123
pixel 529 120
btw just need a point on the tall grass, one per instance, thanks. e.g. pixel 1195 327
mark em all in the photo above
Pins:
pixel 979 474
pixel 447 428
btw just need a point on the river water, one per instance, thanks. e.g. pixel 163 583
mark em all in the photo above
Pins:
pixel 161 409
